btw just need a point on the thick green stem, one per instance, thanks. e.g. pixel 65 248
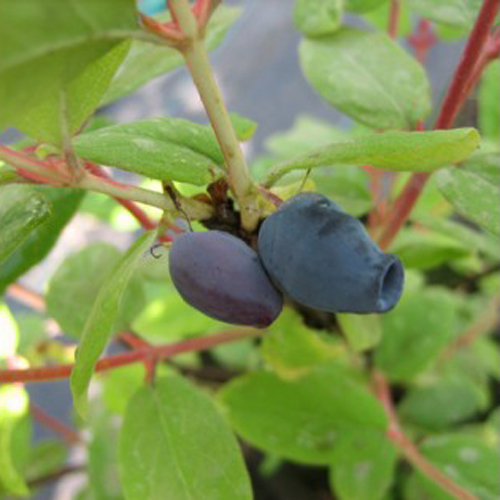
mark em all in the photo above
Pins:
pixel 196 57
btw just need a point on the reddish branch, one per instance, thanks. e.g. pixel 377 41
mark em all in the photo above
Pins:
pixel 392 27
pixel 69 435
pixel 58 372
pixel 455 97
pixel 406 446
pixel 422 39
pixel 27 296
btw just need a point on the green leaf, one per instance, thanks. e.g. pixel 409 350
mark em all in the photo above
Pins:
pixel 467 460
pixel 46 457
pixel 146 61
pixel 103 459
pixel 75 102
pixel 420 249
pixel 415 332
pixel 42 62
pixel 41 240
pixel 362 331
pixel 317 17
pixel 301 420
pixel 161 148
pixel 176 446
pixel 397 151
pixel 379 17
pixel 101 320
pixel 473 189
pixel 22 209
pixel 119 385
pixel 244 127
pixel 292 349
pixel 168 317
pixel 457 399
pixel 368 77
pixel 10 332
pixel 461 13
pixel 362 5
pixel 75 284
pixel 363 466
pixel 489 114
pixel 14 440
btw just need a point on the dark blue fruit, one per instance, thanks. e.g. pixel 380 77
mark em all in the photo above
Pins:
pixel 322 257
pixel 223 277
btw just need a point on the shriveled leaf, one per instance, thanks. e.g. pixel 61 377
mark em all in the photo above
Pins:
pixel 160 148
pixel 460 13
pixel 75 102
pixel 73 288
pixel 301 420
pixel 397 151
pixel 317 17
pixel 175 445
pixel 467 460
pixel 363 466
pixel 146 61
pixel 292 349
pixel 489 114
pixel 22 209
pixel 415 332
pixel 362 331
pixel 473 189
pixel 41 240
pixel 101 320
pixel 367 76
pixel 43 61
pixel 14 438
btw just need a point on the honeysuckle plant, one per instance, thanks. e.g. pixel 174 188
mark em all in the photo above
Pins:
pixel 400 405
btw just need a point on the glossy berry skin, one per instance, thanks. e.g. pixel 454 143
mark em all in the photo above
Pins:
pixel 322 257
pixel 221 276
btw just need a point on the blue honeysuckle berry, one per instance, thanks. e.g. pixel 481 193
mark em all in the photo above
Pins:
pixel 221 276
pixel 323 258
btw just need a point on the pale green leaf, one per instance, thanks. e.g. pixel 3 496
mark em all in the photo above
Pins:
pixel 146 61
pixel 363 466
pixel 362 331
pixel 489 112
pixel 9 332
pixel 13 408
pixel 161 148
pixel 75 102
pixel 22 209
pixel 317 17
pixel 362 5
pixel 75 284
pixel 473 189
pixel 302 419
pixel 397 151
pixel 367 76
pixel 101 320
pixel 292 349
pixel 460 13
pixel 175 445
pixel 467 460
pixel 56 46
pixel 415 332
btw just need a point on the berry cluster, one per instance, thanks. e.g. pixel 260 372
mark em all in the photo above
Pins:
pixel 310 250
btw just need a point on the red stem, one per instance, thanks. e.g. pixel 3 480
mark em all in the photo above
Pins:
pixel 392 27
pixel 406 446
pixel 69 435
pixel 455 97
pixel 58 372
